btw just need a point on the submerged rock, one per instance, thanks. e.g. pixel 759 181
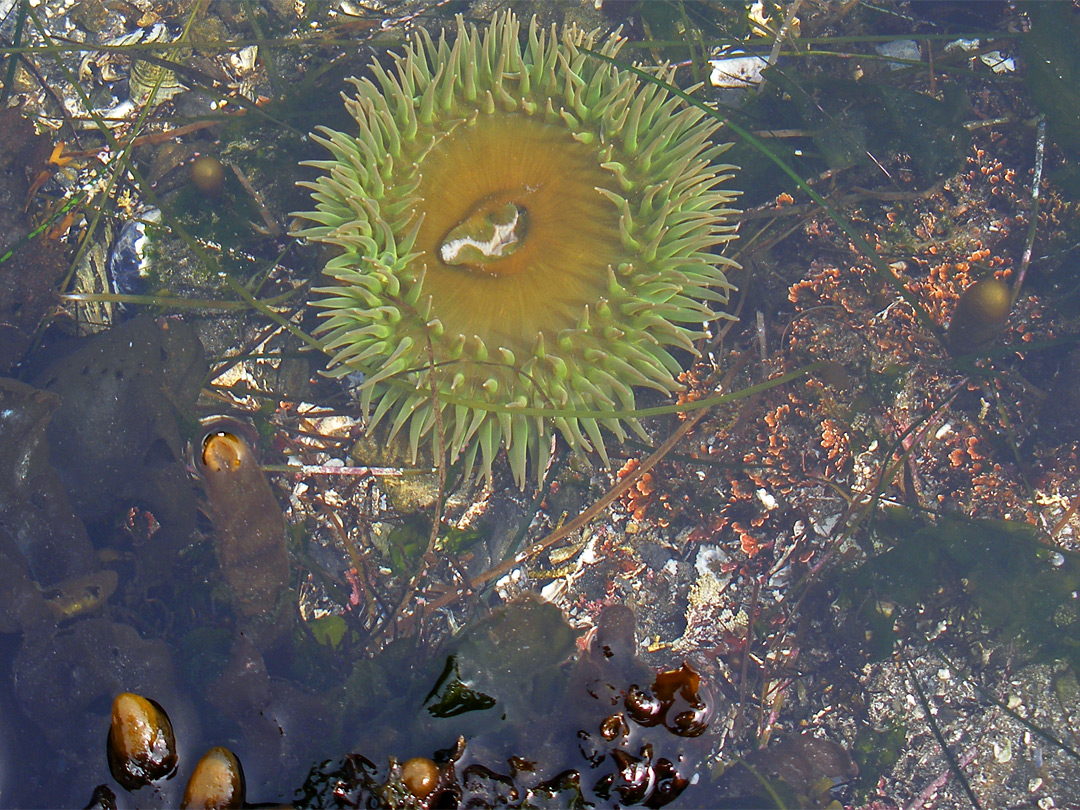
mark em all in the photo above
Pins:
pixel 798 771
pixel 122 394
pixel 34 506
pixel 116 426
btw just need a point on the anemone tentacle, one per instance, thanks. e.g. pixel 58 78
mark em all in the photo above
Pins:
pixel 531 225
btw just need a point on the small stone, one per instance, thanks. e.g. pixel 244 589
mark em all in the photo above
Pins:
pixel 1002 751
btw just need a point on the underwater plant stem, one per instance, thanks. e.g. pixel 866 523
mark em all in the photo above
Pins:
pixel 19 244
pixel 329 469
pixel 151 138
pixel 272 227
pixel 421 10
pixel 954 765
pixel 638 413
pixel 440 450
pixel 905 443
pixel 1033 222
pixel 934 788
pixel 280 320
pixel 1010 436
pixel 195 44
pixel 781 35
pixel 268 59
pixel 768 784
pixel 1025 722
pixel 1066 517
pixel 9 78
pixel 744 670
pixel 695 47
pixel 597 507
pixel 163 301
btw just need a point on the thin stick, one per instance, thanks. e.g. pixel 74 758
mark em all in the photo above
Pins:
pixel 781 35
pixel 1036 181
pixel 329 469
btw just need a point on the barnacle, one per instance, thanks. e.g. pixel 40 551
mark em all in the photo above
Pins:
pixel 525 233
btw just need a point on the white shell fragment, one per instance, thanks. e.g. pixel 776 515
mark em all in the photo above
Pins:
pixel 737 71
pixel 998 62
pixel 995 60
pixel 906 49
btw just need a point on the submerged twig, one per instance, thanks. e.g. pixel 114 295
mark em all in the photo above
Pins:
pixel 1033 224
pixel 954 765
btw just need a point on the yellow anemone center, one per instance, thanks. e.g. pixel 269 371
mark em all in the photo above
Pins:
pixel 515 237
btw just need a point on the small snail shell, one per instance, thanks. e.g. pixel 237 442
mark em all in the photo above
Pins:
pixel 208 175
pixel 420 775
pixel 216 783
pixel 980 314
pixel 141 747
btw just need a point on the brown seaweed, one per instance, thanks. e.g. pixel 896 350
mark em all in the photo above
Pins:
pixel 250 530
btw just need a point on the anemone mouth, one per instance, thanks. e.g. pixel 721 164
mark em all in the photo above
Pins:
pixel 525 234
pixel 568 232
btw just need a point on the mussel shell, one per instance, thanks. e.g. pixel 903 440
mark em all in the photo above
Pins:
pixel 128 266
pixel 216 783
pixel 141 747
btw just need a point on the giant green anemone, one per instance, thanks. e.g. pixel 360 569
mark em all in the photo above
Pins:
pixel 524 234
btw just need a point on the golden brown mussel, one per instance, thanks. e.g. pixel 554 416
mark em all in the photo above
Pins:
pixel 141 746
pixel 217 783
